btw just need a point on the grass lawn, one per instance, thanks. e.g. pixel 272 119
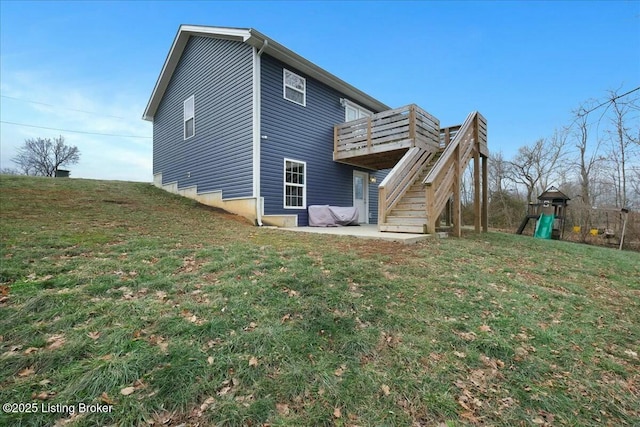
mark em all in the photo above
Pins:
pixel 167 313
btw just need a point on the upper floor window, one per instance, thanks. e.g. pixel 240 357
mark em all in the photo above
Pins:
pixel 354 111
pixel 294 87
pixel 189 117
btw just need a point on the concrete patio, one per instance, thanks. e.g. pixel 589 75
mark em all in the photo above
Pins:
pixel 368 231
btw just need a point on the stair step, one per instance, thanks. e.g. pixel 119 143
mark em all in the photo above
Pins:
pixel 411 206
pixel 401 228
pixel 407 213
pixel 412 200
pixel 408 220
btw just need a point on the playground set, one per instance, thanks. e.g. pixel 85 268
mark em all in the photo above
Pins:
pixel 550 214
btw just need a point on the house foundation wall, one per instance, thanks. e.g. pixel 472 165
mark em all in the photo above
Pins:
pixel 244 206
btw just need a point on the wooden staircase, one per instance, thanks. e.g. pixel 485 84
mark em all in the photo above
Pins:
pixel 427 163
pixel 409 215
pixel 435 180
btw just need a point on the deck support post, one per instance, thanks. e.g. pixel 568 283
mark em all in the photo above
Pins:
pixel 430 195
pixel 412 123
pixel 477 208
pixel 382 205
pixel 457 211
pixel 485 196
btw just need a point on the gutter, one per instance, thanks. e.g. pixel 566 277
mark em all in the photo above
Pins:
pixel 257 129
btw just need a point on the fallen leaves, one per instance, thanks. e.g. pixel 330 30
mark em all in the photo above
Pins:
pixel 55 341
pixel 127 391
pixel 104 398
pixel 43 395
pixel 137 385
pixel 282 408
pixel 94 335
pixel 253 361
pixel 190 317
pixel 27 372
pixel 338 372
pixel 483 383
pixel 485 328
pixel 337 413
pixel 4 293
pixel 251 327
pixel 385 389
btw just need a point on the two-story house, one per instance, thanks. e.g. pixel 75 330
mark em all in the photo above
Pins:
pixel 243 123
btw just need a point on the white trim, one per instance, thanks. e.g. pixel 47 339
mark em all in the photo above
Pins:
pixel 256 132
pixel 186 118
pixel 285 184
pixel 239 34
pixel 365 192
pixel 285 86
pixel 360 110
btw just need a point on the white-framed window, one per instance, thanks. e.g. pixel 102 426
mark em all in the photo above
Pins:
pixel 189 117
pixel 294 87
pixel 295 184
pixel 353 111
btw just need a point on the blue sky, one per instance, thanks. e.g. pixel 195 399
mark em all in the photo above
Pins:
pixel 91 66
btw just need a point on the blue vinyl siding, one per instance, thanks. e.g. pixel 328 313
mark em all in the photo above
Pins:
pixel 219 157
pixel 303 133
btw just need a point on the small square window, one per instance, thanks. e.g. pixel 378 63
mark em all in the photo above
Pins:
pixel 294 87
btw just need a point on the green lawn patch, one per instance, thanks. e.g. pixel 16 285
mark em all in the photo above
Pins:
pixel 122 296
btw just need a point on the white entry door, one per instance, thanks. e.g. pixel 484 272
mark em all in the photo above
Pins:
pixel 360 195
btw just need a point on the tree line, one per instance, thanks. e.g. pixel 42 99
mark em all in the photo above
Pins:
pixel 594 159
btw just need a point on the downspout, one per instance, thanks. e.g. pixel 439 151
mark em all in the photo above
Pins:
pixel 257 130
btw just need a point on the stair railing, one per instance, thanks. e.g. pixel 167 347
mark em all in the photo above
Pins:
pixel 401 177
pixel 444 178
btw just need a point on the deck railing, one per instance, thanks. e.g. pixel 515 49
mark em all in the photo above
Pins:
pixel 401 128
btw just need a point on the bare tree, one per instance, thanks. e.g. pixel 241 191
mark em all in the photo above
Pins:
pixel 43 156
pixel 506 207
pixel 9 171
pixel 535 166
pixel 622 144
pixel 588 156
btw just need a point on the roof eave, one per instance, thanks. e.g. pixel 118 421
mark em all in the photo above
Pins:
pixel 256 39
pixel 291 58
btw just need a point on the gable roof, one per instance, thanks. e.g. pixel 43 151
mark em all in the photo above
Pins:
pixel 552 193
pixel 259 41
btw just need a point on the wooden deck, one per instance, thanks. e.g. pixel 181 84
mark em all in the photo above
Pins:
pixel 380 141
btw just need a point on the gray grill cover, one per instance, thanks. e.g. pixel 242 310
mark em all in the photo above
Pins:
pixel 332 216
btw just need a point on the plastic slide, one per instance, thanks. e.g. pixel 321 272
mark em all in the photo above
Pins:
pixel 544 227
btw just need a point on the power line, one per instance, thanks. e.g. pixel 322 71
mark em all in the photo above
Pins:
pixel 75 131
pixel 608 101
pixel 63 108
